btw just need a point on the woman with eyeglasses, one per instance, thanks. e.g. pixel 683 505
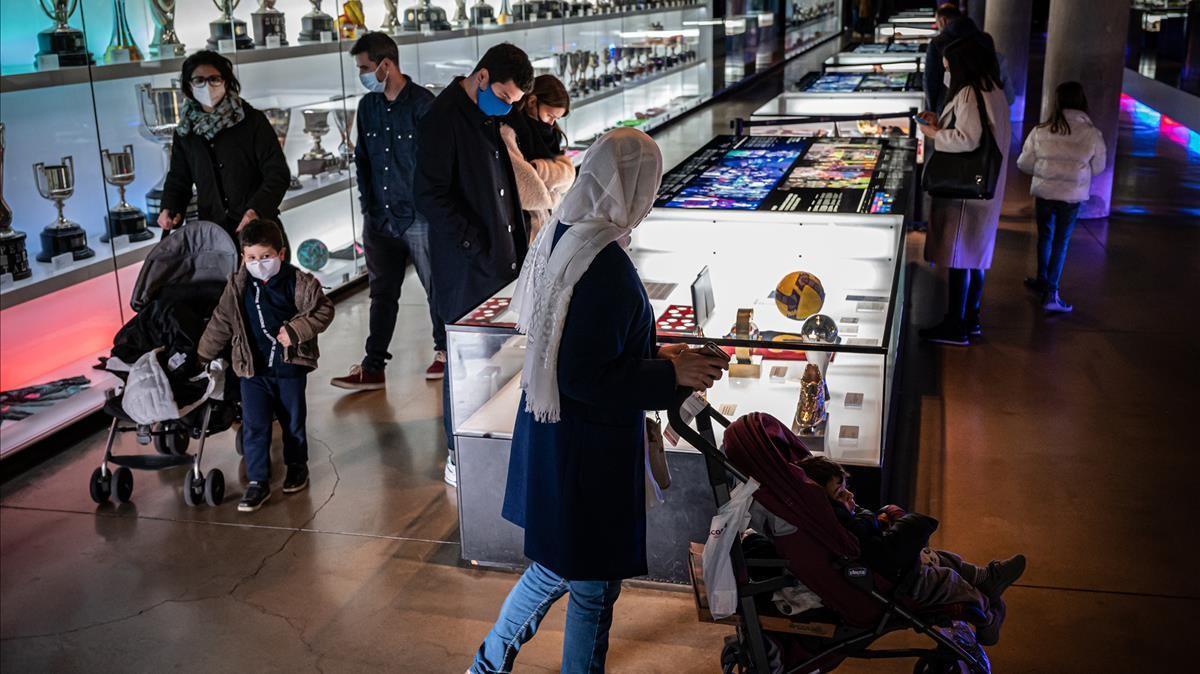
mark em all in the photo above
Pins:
pixel 225 148
pixel 542 170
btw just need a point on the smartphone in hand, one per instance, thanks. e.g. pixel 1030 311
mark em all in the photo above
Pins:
pixel 714 351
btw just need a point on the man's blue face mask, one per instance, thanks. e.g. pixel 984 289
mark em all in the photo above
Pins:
pixel 490 103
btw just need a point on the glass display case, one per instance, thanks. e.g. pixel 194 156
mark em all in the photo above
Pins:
pixel 847 83
pixel 882 60
pixel 89 98
pixel 809 23
pixel 806 302
pixel 905 31
pixel 894 117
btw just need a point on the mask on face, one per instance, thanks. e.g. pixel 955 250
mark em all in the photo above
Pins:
pixel 490 103
pixel 263 269
pixel 371 83
pixel 208 96
pixel 946 79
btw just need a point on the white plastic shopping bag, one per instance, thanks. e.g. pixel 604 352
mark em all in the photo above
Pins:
pixel 731 520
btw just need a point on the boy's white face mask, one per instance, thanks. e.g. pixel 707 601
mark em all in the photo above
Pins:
pixel 263 269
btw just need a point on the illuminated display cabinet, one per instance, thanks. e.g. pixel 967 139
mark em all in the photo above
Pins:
pixel 808 303
pixel 81 79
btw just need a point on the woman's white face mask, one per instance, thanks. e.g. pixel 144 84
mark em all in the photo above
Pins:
pixel 209 96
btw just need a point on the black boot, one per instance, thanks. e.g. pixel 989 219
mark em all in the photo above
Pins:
pixel 949 331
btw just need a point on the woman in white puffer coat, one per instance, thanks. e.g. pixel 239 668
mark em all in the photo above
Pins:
pixel 1062 154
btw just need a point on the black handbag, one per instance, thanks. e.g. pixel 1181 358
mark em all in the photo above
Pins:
pixel 966 175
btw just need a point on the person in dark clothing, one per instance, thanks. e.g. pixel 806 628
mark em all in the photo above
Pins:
pixel 270 315
pixel 226 148
pixel 534 140
pixel 954 26
pixel 466 190
pixel 895 545
pixel 385 158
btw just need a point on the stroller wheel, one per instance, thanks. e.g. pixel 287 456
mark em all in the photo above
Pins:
pixel 214 487
pixel 171 440
pixel 193 489
pixel 237 440
pixel 100 486
pixel 122 484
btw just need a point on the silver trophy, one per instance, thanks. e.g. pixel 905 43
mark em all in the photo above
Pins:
pixel 268 23
pixel 460 19
pixel 13 257
pixel 228 27
pixel 121 48
pixel 161 108
pixel 166 43
pixel 124 218
pixel 390 25
pixel 281 122
pixel 316 23
pixel 482 14
pixel 67 44
pixel 57 183
pixel 345 124
pixel 424 16
pixel 317 160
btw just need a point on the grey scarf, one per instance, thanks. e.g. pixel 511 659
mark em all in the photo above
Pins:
pixel 229 111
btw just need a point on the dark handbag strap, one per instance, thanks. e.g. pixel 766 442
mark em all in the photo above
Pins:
pixel 984 120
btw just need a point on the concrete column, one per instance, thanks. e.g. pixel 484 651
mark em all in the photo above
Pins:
pixel 1086 43
pixel 1009 23
pixel 976 10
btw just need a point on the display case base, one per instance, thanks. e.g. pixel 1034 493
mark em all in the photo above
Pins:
pixel 126 223
pixel 313 27
pixel 235 30
pixel 269 24
pixel 68 45
pixel 14 259
pixel 315 166
pixel 61 240
pixel 154 206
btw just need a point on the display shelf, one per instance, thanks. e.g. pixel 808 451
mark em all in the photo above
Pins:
pixel 642 81
pixel 20 434
pixel 45 280
pixel 23 78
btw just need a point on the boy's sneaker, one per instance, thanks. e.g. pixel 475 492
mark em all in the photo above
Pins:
pixel 297 478
pixel 1001 574
pixel 437 369
pixel 254 498
pixel 1053 303
pixel 451 474
pixel 360 380
pixel 947 332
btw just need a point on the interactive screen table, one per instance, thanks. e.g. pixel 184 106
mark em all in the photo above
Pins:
pixel 851 82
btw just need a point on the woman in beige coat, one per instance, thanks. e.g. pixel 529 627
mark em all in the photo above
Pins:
pixel 962 232
pixel 542 170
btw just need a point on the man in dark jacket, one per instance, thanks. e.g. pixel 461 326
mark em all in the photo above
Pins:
pixel 466 190
pixel 385 157
pixel 954 26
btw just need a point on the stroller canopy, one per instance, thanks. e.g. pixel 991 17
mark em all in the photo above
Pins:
pixel 197 252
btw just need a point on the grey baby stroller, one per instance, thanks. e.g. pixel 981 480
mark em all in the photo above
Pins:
pixel 168 398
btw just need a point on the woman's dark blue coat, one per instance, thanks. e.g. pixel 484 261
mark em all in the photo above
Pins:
pixel 577 487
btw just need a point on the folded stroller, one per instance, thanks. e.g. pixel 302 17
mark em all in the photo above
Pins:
pixel 167 397
pixel 859 606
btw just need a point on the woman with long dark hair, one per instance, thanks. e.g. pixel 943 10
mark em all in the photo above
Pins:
pixel 962 232
pixel 542 170
pixel 224 147
pixel 1062 154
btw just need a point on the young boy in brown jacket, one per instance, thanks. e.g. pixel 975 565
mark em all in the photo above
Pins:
pixel 270 314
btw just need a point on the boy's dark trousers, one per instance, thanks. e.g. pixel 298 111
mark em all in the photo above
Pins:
pixel 265 398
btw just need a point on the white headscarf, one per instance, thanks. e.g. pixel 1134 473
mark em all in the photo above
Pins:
pixel 615 189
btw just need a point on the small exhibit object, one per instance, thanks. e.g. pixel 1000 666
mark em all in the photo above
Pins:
pixel 848 436
pixel 779 374
pixel 745 365
pixel 854 401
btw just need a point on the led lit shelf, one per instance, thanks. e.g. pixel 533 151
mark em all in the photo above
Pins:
pixel 23 78
pixel 45 280
pixel 633 84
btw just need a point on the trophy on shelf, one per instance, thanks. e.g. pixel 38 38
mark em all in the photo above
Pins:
pixel 425 16
pixel 345 125
pixel 57 183
pixel 505 17
pixel 124 218
pixel 268 23
pixel 281 121
pixel 13 257
pixel 482 14
pixel 460 19
pixel 745 364
pixel 121 48
pixel 317 160
pixel 811 412
pixel 63 41
pixel 166 43
pixel 579 8
pixel 390 25
pixel 315 25
pixel 160 109
pixel 353 20
pixel 226 27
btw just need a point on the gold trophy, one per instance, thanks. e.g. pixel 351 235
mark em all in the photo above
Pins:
pixel 227 27
pixel 124 218
pixel 317 160
pixel 121 48
pixel 57 183
pixel 810 411
pixel 505 16
pixel 166 43
pixel 63 41
pixel 281 121
pixel 13 257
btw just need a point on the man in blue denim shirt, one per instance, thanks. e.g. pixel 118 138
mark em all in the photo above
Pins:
pixel 393 231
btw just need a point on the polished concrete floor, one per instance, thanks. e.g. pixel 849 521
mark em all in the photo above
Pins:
pixel 1070 439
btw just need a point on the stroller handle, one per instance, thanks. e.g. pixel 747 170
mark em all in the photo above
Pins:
pixel 705 416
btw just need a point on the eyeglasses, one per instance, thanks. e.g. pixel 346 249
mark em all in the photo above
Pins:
pixel 214 80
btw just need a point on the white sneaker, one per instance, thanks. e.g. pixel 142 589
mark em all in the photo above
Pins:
pixel 451 474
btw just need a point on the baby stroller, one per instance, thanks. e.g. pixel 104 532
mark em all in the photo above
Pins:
pixel 167 397
pixel 859 606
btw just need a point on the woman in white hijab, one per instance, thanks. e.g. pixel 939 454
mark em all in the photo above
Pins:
pixel 576 475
